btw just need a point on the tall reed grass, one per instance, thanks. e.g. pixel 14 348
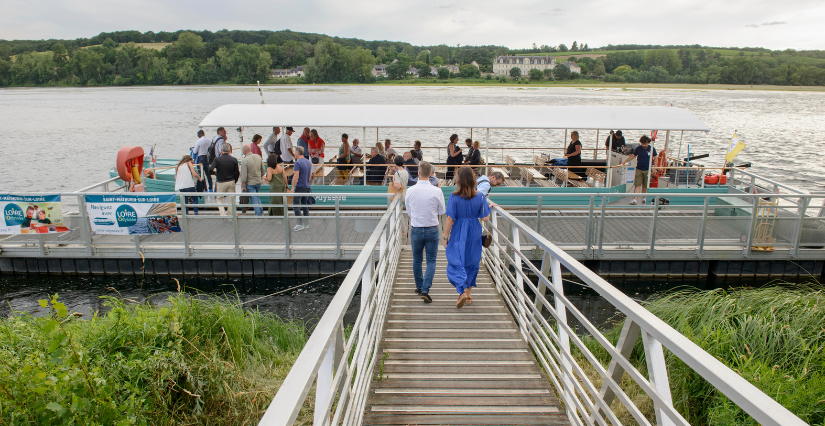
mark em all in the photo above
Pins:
pixel 772 336
pixel 193 361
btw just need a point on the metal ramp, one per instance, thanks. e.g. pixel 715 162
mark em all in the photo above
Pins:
pixel 442 365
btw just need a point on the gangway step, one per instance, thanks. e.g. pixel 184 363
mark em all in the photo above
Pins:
pixel 448 366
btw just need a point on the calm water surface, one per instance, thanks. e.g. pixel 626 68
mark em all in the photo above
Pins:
pixel 61 139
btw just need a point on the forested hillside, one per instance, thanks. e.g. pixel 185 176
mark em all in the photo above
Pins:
pixel 242 57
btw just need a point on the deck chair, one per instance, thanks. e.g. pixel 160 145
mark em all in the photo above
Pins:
pixel 547 183
pixel 526 176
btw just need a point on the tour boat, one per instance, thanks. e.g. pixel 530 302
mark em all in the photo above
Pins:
pixel 535 177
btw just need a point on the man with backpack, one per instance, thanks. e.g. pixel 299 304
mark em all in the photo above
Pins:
pixel 270 146
pixel 215 149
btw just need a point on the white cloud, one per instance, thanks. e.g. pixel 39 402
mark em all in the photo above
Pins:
pixel 514 23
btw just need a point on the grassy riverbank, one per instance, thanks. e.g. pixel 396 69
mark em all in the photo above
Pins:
pixel 774 337
pixel 193 361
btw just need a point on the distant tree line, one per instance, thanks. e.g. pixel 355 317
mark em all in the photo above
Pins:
pixel 206 57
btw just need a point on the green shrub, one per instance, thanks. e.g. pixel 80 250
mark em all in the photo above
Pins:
pixel 193 361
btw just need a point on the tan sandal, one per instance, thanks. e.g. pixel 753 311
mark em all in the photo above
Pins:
pixel 461 300
pixel 469 300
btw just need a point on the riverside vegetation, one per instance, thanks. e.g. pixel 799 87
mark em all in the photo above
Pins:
pixel 126 58
pixel 192 361
pixel 773 336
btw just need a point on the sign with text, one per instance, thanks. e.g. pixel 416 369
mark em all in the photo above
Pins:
pixel 125 214
pixel 41 214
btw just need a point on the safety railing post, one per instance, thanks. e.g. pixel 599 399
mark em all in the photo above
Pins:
pixel 323 385
pixel 337 227
pixel 803 205
pixel 85 226
pixel 588 234
pixel 287 231
pixel 651 250
pixel 700 239
pixel 601 226
pixel 40 244
pixel 137 245
pixel 184 223
pixel 519 290
pixel 657 374
pixel 235 227
pixel 564 339
pixel 749 240
pixel 495 246
pixel 538 224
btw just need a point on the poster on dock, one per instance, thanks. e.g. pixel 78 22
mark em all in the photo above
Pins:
pixel 41 214
pixel 125 214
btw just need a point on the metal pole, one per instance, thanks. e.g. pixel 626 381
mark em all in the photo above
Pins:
pixel 337 228
pixel 323 387
pixel 749 240
pixel 700 240
pixel 803 205
pixel 235 227
pixel 287 230
pixel 608 162
pixel 588 235
pixel 564 339
pixel 364 157
pixel 601 226
pixel 679 154
pixel 650 164
pixel 487 154
pixel 137 245
pixel 596 151
pixel 185 224
pixel 40 244
pixel 86 226
pixel 653 227
pixel 538 217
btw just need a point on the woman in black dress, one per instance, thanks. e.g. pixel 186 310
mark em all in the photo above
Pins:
pixel 454 155
pixel 574 154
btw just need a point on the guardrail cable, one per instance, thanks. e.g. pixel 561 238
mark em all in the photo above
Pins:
pixel 295 287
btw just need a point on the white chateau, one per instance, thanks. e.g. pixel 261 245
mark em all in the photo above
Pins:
pixel 504 64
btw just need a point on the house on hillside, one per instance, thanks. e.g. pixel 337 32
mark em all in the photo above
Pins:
pixel 292 72
pixel 379 70
pixel 574 67
pixel 503 64
pixel 412 71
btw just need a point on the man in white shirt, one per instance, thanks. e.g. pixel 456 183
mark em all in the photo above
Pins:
pixel 269 145
pixel 355 153
pixel 202 151
pixel 287 151
pixel 424 204
pixel 390 151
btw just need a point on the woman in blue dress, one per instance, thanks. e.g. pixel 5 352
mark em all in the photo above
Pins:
pixel 462 234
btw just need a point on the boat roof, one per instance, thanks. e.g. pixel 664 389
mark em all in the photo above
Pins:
pixel 456 116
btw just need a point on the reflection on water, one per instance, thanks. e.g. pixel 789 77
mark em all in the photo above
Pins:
pixel 780 128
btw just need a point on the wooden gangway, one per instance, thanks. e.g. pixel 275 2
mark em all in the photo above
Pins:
pixel 444 365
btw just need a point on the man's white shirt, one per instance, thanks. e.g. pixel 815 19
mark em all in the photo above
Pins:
pixel 202 146
pixel 424 204
pixel 286 145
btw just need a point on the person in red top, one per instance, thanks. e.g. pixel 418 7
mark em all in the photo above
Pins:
pixel 316 147
pixel 254 146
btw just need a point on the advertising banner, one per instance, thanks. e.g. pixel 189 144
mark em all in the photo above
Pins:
pixel 40 214
pixel 125 214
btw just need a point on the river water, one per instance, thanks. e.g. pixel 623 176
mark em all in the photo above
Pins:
pixel 61 139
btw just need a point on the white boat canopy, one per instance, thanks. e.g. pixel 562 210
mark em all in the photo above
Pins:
pixel 456 116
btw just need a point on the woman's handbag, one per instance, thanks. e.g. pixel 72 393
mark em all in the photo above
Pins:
pixel 486 239
pixel 244 199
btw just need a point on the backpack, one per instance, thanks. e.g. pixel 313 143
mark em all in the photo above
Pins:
pixel 277 149
pixel 211 153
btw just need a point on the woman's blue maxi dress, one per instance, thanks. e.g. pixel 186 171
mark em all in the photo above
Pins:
pixel 464 247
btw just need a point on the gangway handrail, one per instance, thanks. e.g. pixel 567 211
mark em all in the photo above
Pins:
pixel 584 403
pixel 342 366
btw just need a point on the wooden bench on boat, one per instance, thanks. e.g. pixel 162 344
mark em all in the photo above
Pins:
pixel 597 176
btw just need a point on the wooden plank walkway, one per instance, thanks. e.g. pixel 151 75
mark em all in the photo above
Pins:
pixel 449 366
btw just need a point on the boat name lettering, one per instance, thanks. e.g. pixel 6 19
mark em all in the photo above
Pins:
pixel 34 199
pixel 324 198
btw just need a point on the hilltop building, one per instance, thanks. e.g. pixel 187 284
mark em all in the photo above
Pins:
pixel 379 70
pixel 574 67
pixel 503 64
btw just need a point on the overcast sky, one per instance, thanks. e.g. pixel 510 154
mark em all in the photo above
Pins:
pixel 798 24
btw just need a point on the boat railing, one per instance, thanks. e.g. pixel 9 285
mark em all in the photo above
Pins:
pixel 233 235
pixel 588 384
pixel 752 183
pixel 108 185
pixel 338 359
pixel 685 223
